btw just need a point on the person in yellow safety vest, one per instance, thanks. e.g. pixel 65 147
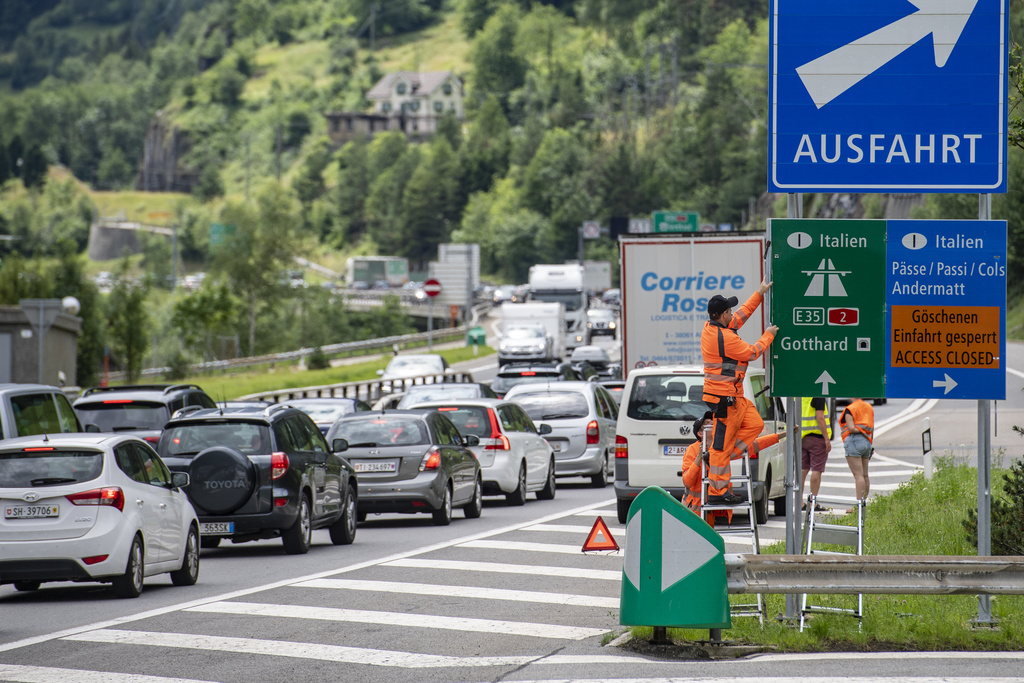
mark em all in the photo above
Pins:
pixel 858 431
pixel 692 466
pixel 815 443
pixel 725 356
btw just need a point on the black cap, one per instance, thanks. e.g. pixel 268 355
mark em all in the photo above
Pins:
pixel 719 305
pixel 698 424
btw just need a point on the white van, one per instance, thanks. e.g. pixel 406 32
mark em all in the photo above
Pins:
pixel 658 407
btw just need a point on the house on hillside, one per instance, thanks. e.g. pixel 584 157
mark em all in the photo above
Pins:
pixel 405 101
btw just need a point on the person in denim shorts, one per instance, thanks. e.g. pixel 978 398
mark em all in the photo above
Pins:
pixel 858 431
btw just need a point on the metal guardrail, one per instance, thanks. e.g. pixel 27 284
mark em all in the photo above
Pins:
pixel 366 390
pixel 382 344
pixel 875 574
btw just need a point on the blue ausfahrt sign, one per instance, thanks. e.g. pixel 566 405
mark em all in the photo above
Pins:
pixel 946 301
pixel 888 96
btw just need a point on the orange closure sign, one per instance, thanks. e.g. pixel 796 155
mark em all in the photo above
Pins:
pixel 945 336
pixel 600 538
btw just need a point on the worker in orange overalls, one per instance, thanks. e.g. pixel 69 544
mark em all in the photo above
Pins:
pixel 726 356
pixel 858 431
pixel 692 466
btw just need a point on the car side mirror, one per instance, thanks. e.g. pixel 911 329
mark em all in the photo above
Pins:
pixel 179 479
pixel 92 428
pixel 592 378
pixel 471 440
pixel 380 373
pixel 339 445
pixel 544 429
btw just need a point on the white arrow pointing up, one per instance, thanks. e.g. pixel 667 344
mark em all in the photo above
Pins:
pixel 948 383
pixel 830 75
pixel 824 379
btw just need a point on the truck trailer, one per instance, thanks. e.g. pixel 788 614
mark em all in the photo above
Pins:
pixel 666 283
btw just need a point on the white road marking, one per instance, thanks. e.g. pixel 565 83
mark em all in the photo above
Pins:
pixel 782 679
pixel 525 546
pixel 147 614
pixel 1016 373
pixel 432 621
pixel 872 473
pixel 284 648
pixel 500 568
pixel 477 593
pixel 816 657
pixel 47 674
pixel 562 528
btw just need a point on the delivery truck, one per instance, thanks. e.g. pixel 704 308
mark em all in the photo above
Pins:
pixel 515 347
pixel 666 283
pixel 562 284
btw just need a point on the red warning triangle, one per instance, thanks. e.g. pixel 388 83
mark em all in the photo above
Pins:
pixel 600 538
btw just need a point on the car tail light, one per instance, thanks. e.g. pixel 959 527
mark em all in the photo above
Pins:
pixel 111 496
pixel 621 447
pixel 152 439
pixel 95 559
pixel 118 400
pixel 280 502
pixel 431 461
pixel 528 373
pixel 499 442
pixel 278 465
pixel 37 448
pixel 592 433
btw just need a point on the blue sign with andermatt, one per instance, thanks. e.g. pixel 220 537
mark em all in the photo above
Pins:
pixel 888 95
pixel 946 305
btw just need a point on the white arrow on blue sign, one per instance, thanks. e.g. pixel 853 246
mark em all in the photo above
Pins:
pixel 882 96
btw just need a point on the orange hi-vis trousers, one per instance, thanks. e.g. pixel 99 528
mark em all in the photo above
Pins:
pixel 733 434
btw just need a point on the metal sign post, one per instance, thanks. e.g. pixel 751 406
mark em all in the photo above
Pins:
pixel 431 288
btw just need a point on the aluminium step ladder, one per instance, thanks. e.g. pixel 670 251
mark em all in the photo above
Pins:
pixel 745 480
pixel 818 532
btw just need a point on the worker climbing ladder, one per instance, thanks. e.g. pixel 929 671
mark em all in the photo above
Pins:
pixel 831 532
pixel 745 480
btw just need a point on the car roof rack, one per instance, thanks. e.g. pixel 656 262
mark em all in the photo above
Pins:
pixel 125 387
pixel 179 387
pixel 270 410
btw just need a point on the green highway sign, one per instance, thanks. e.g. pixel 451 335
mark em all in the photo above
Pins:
pixel 828 299
pixel 675 221
pixel 673 573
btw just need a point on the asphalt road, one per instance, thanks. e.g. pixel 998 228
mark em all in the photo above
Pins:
pixel 505 597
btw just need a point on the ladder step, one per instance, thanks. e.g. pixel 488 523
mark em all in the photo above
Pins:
pixel 737 506
pixel 828 552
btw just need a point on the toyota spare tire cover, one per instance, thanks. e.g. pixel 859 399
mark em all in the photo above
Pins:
pixel 220 480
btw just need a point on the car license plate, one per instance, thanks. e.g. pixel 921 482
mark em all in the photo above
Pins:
pixel 675 450
pixel 389 466
pixel 31 511
pixel 217 528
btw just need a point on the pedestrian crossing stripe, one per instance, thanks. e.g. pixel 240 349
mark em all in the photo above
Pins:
pixel 431 621
pixel 600 538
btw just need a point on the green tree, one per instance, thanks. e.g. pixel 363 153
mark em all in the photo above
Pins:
pixel 430 202
pixel 553 186
pixel 350 192
pixel 265 242
pixel 198 316
pixel 128 328
pixel 498 69
pixel 485 154
pixel 384 209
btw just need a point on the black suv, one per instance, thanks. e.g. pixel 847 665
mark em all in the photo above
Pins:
pixel 143 409
pixel 261 472
pixel 523 373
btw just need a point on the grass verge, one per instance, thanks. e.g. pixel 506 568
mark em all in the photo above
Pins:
pixel 223 385
pixel 922 517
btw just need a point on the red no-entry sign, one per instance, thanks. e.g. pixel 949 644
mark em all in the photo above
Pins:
pixel 431 287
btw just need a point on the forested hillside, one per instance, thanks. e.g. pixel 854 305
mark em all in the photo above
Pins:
pixel 575 111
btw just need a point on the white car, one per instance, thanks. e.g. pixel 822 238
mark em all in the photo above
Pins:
pixel 656 414
pixel 513 454
pixel 405 367
pixel 582 419
pixel 93 507
pixel 525 342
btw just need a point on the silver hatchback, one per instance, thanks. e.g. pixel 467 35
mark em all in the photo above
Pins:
pixel 582 416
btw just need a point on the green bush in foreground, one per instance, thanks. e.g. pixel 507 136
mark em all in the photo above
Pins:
pixel 922 517
pixel 1007 521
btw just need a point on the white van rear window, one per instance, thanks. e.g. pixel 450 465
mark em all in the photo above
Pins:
pixel 666 397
